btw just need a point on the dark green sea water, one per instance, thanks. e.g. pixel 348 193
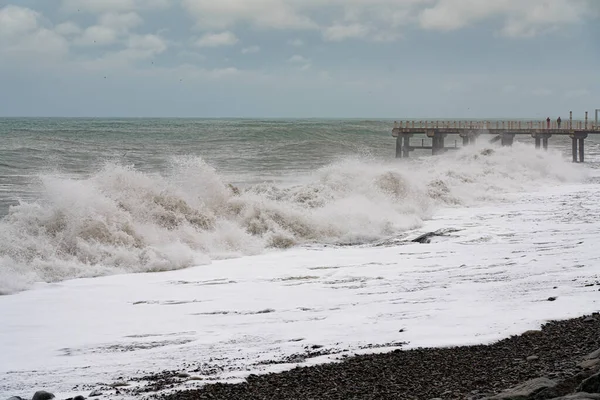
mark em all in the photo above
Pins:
pixel 241 150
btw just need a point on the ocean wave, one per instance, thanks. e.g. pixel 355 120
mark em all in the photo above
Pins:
pixel 122 220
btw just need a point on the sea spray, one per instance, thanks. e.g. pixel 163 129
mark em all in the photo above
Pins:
pixel 121 220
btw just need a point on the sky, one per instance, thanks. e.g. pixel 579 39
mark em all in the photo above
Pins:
pixel 299 58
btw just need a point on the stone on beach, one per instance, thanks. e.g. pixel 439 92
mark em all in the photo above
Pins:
pixel 525 390
pixel 593 355
pixel 589 364
pixel 579 396
pixel 42 395
pixel 591 384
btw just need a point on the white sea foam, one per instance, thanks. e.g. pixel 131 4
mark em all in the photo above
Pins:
pixel 123 220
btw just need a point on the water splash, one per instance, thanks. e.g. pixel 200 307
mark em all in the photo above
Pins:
pixel 121 220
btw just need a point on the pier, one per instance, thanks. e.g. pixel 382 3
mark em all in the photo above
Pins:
pixel 503 131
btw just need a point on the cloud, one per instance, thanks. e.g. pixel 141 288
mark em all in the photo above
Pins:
pixel 222 72
pixel 217 39
pixel 188 72
pixel 16 21
pixel 98 6
pixel 68 29
pixel 120 21
pixel 382 20
pixel 303 62
pixel 270 14
pixel 337 19
pixel 251 50
pixel 539 18
pixel 22 35
pixel 522 18
pixel 152 44
pixel 298 59
pixel 116 6
pixel 447 15
pixel 337 33
pixel 109 29
pixel 187 54
pixel 137 47
pixel 97 35
pixel 389 36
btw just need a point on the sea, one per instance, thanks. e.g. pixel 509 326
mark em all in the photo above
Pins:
pixel 130 246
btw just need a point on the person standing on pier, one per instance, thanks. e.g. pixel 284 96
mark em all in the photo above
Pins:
pixel 558 121
pixel 548 122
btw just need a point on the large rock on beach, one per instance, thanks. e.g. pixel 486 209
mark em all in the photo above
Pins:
pixel 426 237
pixel 525 390
pixel 566 386
pixel 579 396
pixel 593 355
pixel 590 364
pixel 590 385
pixel 42 395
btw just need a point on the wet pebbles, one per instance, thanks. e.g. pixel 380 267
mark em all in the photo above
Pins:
pixel 558 352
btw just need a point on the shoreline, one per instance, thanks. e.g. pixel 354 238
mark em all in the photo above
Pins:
pixel 439 293
pixel 556 351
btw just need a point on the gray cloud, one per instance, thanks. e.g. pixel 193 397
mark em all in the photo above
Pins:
pixel 299 57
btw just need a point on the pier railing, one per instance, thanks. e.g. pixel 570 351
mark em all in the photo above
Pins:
pixel 513 126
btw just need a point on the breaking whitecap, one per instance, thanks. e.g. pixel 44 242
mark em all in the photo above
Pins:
pixel 122 220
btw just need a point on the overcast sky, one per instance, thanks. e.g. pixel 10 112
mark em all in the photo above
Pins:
pixel 299 58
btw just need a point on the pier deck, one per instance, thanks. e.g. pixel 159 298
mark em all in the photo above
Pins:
pixel 504 131
pixel 495 128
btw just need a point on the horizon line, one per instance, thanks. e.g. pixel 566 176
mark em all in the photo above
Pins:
pixel 591 118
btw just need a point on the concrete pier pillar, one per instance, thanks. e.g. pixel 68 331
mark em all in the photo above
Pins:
pixel 468 137
pixel 578 146
pixel 403 145
pixel 507 139
pixel 441 143
pixel 541 140
pixel 406 145
pixel 437 143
